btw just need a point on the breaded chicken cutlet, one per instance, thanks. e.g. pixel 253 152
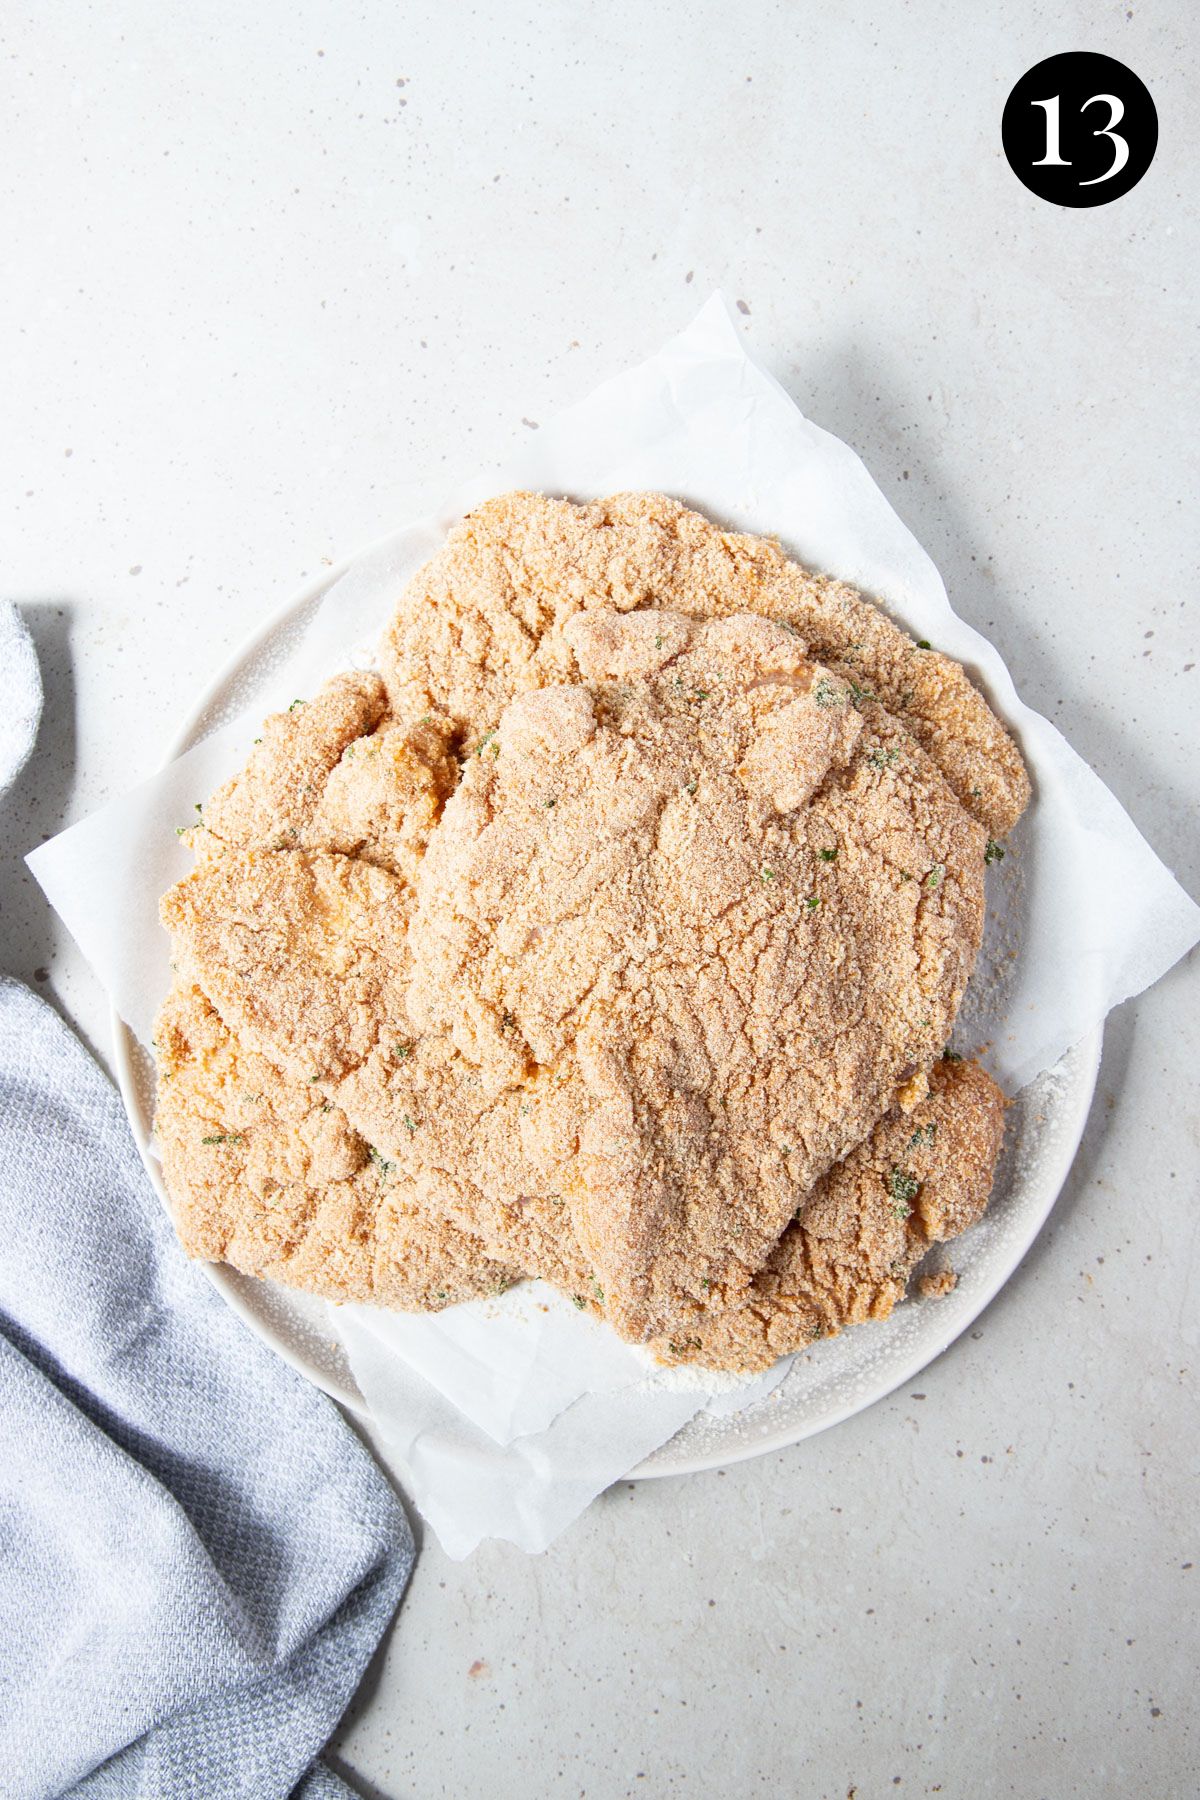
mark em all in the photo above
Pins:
pixel 620 925
pixel 271 1178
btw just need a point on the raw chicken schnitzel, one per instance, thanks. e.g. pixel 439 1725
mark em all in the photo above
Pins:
pixel 612 937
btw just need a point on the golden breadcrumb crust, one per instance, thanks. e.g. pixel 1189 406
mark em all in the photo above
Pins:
pixel 921 1178
pixel 616 928
pixel 268 1176
pixel 485 618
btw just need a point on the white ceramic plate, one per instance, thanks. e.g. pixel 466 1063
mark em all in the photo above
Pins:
pixel 825 1384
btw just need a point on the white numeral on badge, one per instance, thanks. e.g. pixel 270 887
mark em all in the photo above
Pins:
pixel 1051 156
pixel 1116 112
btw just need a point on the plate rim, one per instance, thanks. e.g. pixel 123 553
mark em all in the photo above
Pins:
pixel 660 1465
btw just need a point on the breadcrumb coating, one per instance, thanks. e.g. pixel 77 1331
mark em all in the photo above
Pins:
pixel 624 917
pixel 921 1178
pixel 628 889
pixel 268 1176
pixel 486 617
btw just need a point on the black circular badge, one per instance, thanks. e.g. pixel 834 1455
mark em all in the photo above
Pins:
pixel 1079 129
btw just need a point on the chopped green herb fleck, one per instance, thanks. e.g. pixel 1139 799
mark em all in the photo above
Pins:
pixel 827 693
pixel 828 855
pixel 859 694
pixel 409 1123
pixel 599 1293
pixel 701 693
pixel 690 786
pixel 381 1162
pixel 951 1056
pixel 440 1294
pixel 994 852
pixel 880 758
pixel 400 1051
pixel 199 809
pixel 934 877
pixel 705 1283
pixel 924 1134
pixel 580 1302
pixel 224 1137
pixel 904 1189
pixel 924 644
pixel 767 874
pixel 258 740
pixel 508 1021
pixel 553 801
pixel 484 741
pixel 812 903
pixel 658 641
pixel 180 829
pixel 296 703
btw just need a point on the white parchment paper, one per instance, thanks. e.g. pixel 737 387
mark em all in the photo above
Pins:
pixel 505 1418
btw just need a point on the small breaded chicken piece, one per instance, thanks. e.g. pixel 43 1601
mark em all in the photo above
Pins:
pixel 921 1178
pixel 267 1176
pixel 485 618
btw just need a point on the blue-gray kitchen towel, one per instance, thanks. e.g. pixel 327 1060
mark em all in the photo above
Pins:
pixel 197 1556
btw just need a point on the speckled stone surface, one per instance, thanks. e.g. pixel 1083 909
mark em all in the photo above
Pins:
pixel 267 270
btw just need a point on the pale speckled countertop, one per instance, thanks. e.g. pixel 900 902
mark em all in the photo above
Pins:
pixel 265 274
